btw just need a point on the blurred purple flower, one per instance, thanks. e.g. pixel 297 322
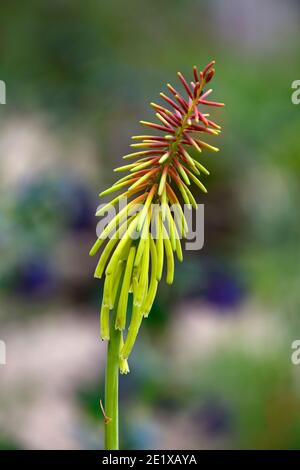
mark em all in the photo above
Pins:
pixel 35 277
pixel 223 289
pixel 214 418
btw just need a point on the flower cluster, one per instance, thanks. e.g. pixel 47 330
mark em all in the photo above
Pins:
pixel 140 242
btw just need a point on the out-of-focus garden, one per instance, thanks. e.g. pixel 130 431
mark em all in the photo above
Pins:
pixel 212 365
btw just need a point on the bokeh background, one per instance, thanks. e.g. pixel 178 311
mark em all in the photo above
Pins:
pixel 212 365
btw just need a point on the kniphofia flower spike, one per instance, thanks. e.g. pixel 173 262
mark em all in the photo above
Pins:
pixel 139 243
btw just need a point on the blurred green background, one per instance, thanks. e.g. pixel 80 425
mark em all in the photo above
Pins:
pixel 212 365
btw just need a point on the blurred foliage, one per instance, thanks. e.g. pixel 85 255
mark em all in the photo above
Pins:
pixel 93 67
pixel 7 443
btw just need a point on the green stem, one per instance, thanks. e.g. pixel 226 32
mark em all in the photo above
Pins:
pixel 111 388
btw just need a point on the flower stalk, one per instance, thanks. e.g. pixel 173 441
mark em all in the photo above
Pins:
pixel 112 390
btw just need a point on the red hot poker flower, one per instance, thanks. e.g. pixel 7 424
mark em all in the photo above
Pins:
pixel 162 171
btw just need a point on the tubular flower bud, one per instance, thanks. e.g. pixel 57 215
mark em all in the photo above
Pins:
pixel 141 244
